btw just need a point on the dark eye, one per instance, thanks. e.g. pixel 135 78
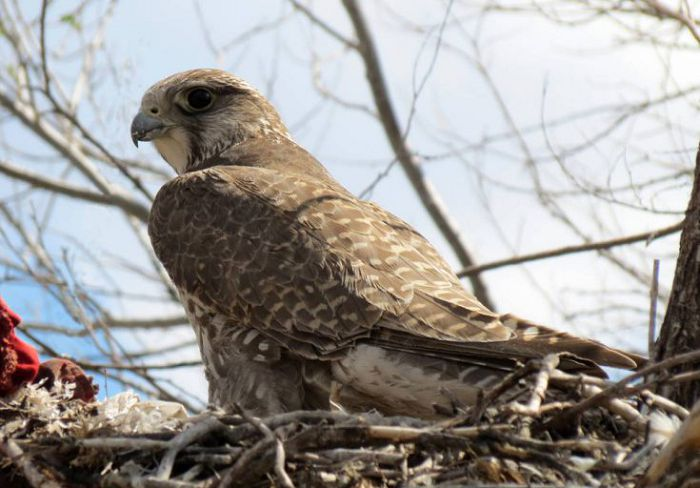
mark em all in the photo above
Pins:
pixel 199 99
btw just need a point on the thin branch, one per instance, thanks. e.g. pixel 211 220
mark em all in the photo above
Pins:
pixel 22 460
pixel 653 302
pixel 53 328
pixel 618 387
pixel 190 343
pixel 132 207
pixel 325 27
pixel 387 115
pixel 70 117
pixel 562 251
pixel 144 367
pixel 154 323
pixel 184 439
pixel 145 324
pixel 52 136
pixel 662 11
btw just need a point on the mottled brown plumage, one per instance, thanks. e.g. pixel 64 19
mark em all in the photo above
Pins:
pixel 300 293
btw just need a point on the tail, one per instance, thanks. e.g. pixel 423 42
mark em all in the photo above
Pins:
pixel 548 340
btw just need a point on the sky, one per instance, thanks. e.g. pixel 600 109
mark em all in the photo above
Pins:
pixel 543 71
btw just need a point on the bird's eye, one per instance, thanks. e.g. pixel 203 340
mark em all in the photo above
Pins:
pixel 199 99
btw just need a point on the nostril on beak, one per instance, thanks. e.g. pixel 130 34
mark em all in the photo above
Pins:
pixel 154 110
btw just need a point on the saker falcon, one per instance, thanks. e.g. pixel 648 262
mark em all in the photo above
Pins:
pixel 300 293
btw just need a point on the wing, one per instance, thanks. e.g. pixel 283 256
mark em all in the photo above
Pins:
pixel 306 260
pixel 315 268
pixel 529 339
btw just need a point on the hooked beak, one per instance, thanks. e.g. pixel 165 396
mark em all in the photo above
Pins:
pixel 146 128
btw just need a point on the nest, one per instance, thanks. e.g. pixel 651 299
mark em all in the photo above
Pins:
pixel 540 427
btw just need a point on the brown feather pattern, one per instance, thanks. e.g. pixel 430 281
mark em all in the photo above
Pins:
pixel 300 293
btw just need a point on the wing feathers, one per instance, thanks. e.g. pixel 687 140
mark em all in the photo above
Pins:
pixel 313 265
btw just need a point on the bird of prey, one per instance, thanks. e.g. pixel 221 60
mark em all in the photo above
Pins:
pixel 301 294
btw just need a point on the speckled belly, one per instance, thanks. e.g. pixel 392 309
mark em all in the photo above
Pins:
pixel 399 383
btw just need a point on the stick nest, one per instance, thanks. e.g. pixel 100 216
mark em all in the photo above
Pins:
pixel 539 427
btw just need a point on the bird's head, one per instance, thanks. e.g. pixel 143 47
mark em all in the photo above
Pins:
pixel 195 115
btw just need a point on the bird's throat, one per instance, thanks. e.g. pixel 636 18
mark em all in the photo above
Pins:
pixel 174 148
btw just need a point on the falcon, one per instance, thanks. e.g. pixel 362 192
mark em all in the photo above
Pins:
pixel 303 296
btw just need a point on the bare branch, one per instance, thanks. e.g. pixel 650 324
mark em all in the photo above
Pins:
pixel 154 323
pixel 563 251
pixel 32 473
pixel 69 116
pixel 427 194
pixel 129 206
pixel 653 303
pixel 663 11
pixel 324 26
pixel 144 367
pixel 30 118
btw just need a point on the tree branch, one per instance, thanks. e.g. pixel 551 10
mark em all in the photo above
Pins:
pixel 562 251
pixel 427 194
pixel 43 129
pixel 137 367
pixel 662 11
pixel 69 116
pixel 153 323
pixel 314 19
pixel 131 207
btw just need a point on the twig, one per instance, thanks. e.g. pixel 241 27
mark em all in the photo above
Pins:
pixel 603 394
pixel 654 400
pixel 245 430
pixel 615 405
pixel 548 458
pixel 111 443
pixel 182 440
pixel 653 298
pixel 387 115
pixel 137 367
pixel 64 188
pixel 314 19
pixel 151 482
pixel 23 461
pixel 32 120
pixel 69 116
pixel 406 434
pixel 562 251
pixel 282 475
pixel 547 366
pixel 241 465
pixel 154 323
pixel 344 455
pixel 683 377
pixel 494 393
pixel 269 439
pixel 662 11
